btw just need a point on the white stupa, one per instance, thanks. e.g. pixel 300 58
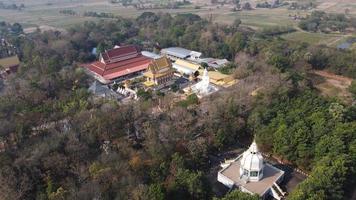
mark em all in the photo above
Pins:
pixel 249 173
pixel 203 87
pixel 251 167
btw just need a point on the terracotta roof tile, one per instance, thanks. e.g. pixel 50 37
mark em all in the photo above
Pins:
pixel 114 70
pixel 9 61
pixel 121 52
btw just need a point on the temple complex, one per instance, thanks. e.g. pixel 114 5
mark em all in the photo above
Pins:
pixel 159 72
pixel 250 173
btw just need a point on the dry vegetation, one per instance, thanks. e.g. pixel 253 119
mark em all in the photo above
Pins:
pixel 331 85
pixel 114 151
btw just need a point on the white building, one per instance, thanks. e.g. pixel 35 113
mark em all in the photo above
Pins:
pixel 213 62
pixel 151 54
pixel 249 173
pixel 175 53
pixel 185 67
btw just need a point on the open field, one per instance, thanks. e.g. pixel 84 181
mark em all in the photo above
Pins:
pixel 313 38
pixel 45 13
pixel 338 6
pixel 260 18
pixel 39 13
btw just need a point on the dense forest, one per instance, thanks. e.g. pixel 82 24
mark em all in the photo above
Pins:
pixel 11 6
pixel 325 22
pixel 316 135
pixel 60 143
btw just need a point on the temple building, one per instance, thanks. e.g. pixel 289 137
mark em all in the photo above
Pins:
pixel 159 72
pixel 150 54
pixel 185 67
pixel 175 53
pixel 214 62
pixel 9 65
pixel 251 174
pixel 100 90
pixel 219 79
pixel 118 63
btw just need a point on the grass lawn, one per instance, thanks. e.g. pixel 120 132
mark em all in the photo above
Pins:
pixel 312 38
pixel 260 18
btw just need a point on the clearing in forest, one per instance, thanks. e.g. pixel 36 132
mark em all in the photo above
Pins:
pixel 334 86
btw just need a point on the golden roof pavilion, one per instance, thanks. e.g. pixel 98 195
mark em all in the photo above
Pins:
pixel 159 72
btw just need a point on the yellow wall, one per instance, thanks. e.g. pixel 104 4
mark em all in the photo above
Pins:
pixel 187 64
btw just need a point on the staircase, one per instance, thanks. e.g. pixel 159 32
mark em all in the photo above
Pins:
pixel 277 192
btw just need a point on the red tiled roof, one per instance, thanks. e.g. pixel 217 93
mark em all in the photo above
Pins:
pixel 120 53
pixel 114 70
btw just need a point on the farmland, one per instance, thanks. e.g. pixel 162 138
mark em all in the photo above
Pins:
pixel 46 13
pixel 313 38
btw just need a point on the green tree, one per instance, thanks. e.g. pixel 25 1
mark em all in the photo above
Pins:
pixel 192 182
pixel 280 62
pixel 238 195
pixel 337 111
pixel 102 47
pixel 329 145
pixel 235 25
pixel 16 28
pixel 352 89
pixel 326 180
pixel 156 192
pixel 247 6
pixel 204 65
pixel 237 43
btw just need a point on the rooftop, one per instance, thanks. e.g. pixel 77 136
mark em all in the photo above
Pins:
pixel 159 67
pixel 117 69
pixel 9 61
pixel 120 53
pixel 177 52
pixel 101 90
pixel 213 62
pixel 158 64
pixel 151 54
pixel 118 62
pixel 219 79
pixel 271 175
pixel 187 64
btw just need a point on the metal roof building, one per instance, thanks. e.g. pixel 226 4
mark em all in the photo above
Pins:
pixel 179 53
pixel 185 67
pixel 151 54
